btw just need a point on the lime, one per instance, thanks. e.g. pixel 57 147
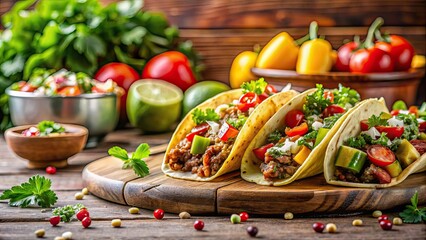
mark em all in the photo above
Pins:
pixel 154 105
pixel 200 92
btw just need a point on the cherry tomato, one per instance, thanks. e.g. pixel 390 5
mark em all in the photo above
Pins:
pixel 394 112
pixel 124 75
pixel 261 151
pixel 27 88
pixel 401 51
pixel 227 131
pixel 171 66
pixel 329 95
pixel 301 130
pixel 413 110
pixel 294 118
pixel 391 132
pixel 344 54
pixel 69 91
pixel 198 130
pixel 269 91
pixel 422 127
pixel 382 175
pixel 364 125
pixel 247 101
pixel 380 156
pixel 370 61
pixel 332 110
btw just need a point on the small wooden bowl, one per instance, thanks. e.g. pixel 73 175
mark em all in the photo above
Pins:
pixel 391 86
pixel 43 151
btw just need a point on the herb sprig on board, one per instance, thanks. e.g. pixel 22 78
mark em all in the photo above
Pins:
pixel 136 161
pixel 412 213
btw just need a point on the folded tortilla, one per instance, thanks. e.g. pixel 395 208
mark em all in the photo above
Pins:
pixel 351 128
pixel 254 122
pixel 313 165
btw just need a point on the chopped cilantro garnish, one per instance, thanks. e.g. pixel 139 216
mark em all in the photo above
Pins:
pixel 308 139
pixel 237 123
pixel 330 121
pixel 257 86
pixel 344 95
pixel 47 127
pixel 275 136
pixel 199 116
pixel 376 121
pixel 356 142
pixel 411 126
pixel 315 102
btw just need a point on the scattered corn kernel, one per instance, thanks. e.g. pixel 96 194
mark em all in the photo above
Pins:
pixel 397 221
pixel 184 215
pixel 331 228
pixel 40 233
pixel 85 191
pixel 116 223
pixel 288 216
pixel 79 196
pixel 377 213
pixel 67 235
pixel 357 222
pixel 133 210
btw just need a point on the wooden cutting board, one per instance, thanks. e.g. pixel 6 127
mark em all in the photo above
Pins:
pixel 230 194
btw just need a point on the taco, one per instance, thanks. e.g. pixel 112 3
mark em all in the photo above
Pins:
pixel 374 149
pixel 291 145
pixel 209 140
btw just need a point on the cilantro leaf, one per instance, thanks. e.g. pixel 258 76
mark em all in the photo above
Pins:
pixel 256 86
pixel 316 102
pixel 376 121
pixel 275 136
pixel 199 116
pixel 344 95
pixel 34 192
pixel 67 212
pixel 139 167
pixel 356 142
pixel 413 214
pixel 118 152
pixel 237 123
pixel 411 126
pixel 47 127
pixel 141 152
pixel 136 161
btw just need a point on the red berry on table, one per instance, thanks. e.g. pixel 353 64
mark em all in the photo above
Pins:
pixel 55 220
pixel 318 227
pixel 159 213
pixel 199 225
pixel 244 216
pixel 252 231
pixel 82 214
pixel 86 222
pixel 386 224
pixel 383 217
pixel 50 170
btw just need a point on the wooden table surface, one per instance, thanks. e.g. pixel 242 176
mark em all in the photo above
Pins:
pixel 20 223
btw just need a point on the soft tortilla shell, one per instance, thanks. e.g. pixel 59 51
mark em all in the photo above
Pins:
pixel 351 128
pixel 255 121
pixel 313 165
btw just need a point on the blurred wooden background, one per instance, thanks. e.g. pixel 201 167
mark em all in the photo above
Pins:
pixel 220 29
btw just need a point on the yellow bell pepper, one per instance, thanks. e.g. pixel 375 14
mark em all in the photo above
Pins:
pixel 316 56
pixel 418 61
pixel 302 155
pixel 279 53
pixel 241 69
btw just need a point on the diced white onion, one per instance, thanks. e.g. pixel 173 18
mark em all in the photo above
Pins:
pixel 214 126
pixel 395 122
pixel 317 125
pixel 404 112
pixel 372 132
pixel 420 120
pixel 389 143
pixel 287 145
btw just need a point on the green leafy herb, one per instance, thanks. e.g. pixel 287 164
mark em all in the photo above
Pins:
pixel 275 136
pixel 382 140
pixel 315 102
pixel 34 192
pixel 376 121
pixel 237 123
pixel 411 126
pixel 199 116
pixel 135 161
pixel 67 212
pixel 276 152
pixel 413 214
pixel 345 95
pixel 47 127
pixel 330 121
pixel 308 139
pixel 257 86
pixel 356 142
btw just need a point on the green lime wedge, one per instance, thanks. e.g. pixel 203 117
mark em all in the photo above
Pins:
pixel 154 105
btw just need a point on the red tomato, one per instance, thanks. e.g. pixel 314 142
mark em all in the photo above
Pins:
pixel 344 54
pixel 97 90
pixel 413 110
pixel 69 91
pixel 380 156
pixel 329 95
pixel 422 127
pixel 332 110
pixel 260 152
pixel 198 130
pixel 27 88
pixel 394 112
pixel 301 130
pixel 124 75
pixel 364 125
pixel 171 66
pixel 370 61
pixel 227 131
pixel 247 101
pixel 382 175
pixel 391 132
pixel 401 51
pixel 270 89
pixel 294 118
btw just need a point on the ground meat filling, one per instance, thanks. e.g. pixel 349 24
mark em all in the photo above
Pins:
pixel 278 168
pixel 370 174
pixel 209 163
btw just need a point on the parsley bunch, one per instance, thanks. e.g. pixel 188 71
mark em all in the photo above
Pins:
pixel 34 192
pixel 412 213
pixel 257 86
pixel 135 161
pixel 199 116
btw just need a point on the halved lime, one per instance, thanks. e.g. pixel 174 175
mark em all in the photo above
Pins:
pixel 154 105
